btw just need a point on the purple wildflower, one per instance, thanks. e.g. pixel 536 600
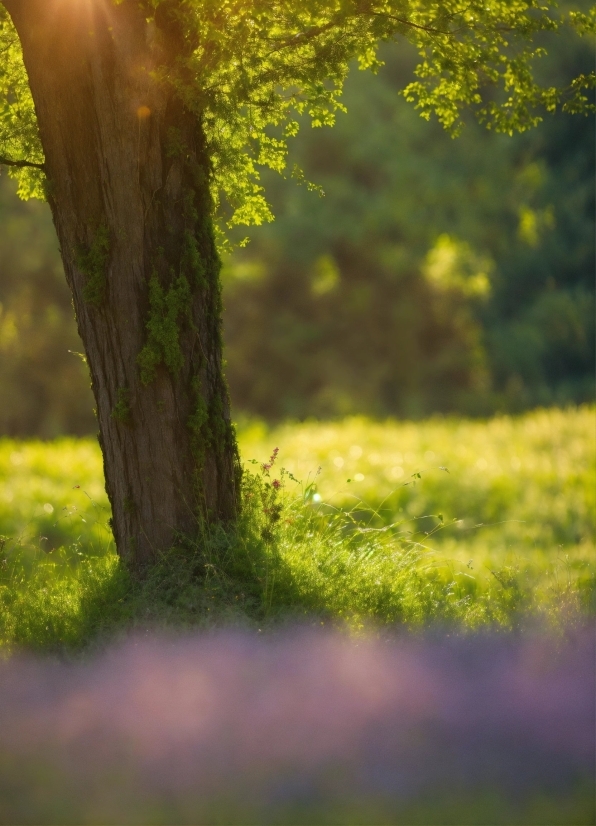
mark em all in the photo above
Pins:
pixel 266 466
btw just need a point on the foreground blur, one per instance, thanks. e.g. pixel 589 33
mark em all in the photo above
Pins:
pixel 303 727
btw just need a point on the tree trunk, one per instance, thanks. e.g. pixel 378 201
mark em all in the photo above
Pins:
pixel 128 184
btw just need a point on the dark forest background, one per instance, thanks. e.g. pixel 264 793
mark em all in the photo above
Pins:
pixel 434 275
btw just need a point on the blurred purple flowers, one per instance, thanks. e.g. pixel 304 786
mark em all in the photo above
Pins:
pixel 261 727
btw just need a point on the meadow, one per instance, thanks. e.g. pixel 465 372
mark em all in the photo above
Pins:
pixel 344 655
pixel 444 520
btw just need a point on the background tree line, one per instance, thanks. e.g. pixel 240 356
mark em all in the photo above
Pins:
pixel 435 275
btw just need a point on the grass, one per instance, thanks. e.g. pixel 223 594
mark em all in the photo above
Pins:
pixel 510 495
pixel 454 521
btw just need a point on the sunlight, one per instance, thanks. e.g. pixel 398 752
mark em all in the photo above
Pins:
pixel 86 12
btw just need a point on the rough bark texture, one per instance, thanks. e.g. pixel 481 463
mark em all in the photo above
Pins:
pixel 127 174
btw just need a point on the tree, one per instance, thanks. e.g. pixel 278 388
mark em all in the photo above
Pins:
pixel 142 121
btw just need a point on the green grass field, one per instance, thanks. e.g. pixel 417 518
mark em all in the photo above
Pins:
pixel 445 519
pixel 511 491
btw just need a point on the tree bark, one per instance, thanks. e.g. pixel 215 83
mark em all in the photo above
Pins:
pixel 128 184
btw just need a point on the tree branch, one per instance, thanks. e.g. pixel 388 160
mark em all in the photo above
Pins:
pixel 409 23
pixel 303 37
pixel 22 164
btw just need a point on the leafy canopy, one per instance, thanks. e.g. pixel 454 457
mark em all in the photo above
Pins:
pixel 249 68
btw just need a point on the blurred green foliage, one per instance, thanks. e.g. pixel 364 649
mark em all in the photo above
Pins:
pixel 44 382
pixel 435 275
